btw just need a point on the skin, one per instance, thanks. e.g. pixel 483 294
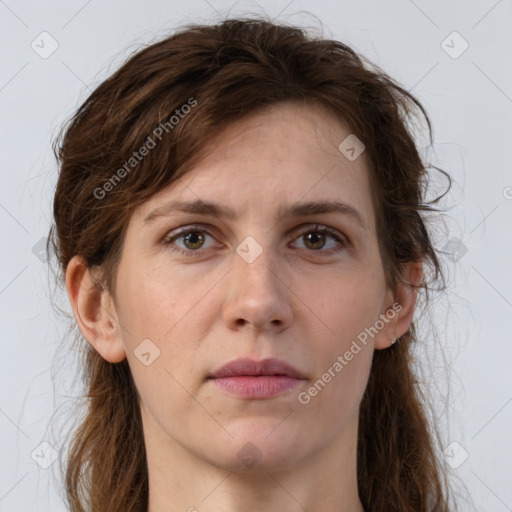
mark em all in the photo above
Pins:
pixel 298 301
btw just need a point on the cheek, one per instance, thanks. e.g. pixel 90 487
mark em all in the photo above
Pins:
pixel 334 397
pixel 350 301
pixel 156 317
pixel 151 306
pixel 348 307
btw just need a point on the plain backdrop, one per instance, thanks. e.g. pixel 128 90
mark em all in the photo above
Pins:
pixel 454 56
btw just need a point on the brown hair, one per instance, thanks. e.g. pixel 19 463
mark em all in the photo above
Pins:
pixel 232 69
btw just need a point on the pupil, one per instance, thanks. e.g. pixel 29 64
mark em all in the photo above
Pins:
pixel 193 234
pixel 314 236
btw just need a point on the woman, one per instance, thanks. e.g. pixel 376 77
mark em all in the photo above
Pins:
pixel 238 224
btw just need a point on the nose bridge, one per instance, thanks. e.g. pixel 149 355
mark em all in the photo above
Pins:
pixel 254 261
pixel 256 294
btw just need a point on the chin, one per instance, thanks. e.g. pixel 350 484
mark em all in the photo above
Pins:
pixel 259 448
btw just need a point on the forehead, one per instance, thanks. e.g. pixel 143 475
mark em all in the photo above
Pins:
pixel 289 131
pixel 284 154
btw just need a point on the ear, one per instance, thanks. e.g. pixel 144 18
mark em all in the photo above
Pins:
pixel 400 307
pixel 94 311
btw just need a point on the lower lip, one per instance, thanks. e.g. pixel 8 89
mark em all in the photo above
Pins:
pixel 257 387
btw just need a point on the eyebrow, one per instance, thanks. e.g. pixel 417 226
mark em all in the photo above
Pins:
pixel 207 208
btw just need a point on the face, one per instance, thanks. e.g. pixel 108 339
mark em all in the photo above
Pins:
pixel 195 291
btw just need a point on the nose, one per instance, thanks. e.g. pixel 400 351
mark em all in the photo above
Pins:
pixel 257 296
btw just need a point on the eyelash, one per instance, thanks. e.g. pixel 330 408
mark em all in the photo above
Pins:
pixel 200 229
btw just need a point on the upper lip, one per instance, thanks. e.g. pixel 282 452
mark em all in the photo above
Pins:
pixel 252 367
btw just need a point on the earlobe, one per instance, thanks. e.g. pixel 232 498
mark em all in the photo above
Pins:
pixel 400 313
pixel 94 311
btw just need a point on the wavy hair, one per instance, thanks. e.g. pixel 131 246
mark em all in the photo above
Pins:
pixel 232 69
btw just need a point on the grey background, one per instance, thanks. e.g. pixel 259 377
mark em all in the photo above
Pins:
pixel 469 98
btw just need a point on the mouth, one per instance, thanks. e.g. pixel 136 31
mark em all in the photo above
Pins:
pixel 248 378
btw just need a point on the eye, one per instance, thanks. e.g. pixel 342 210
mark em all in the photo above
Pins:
pixel 193 238
pixel 315 237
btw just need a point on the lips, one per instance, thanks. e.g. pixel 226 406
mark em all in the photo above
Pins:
pixel 249 379
pixel 246 367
